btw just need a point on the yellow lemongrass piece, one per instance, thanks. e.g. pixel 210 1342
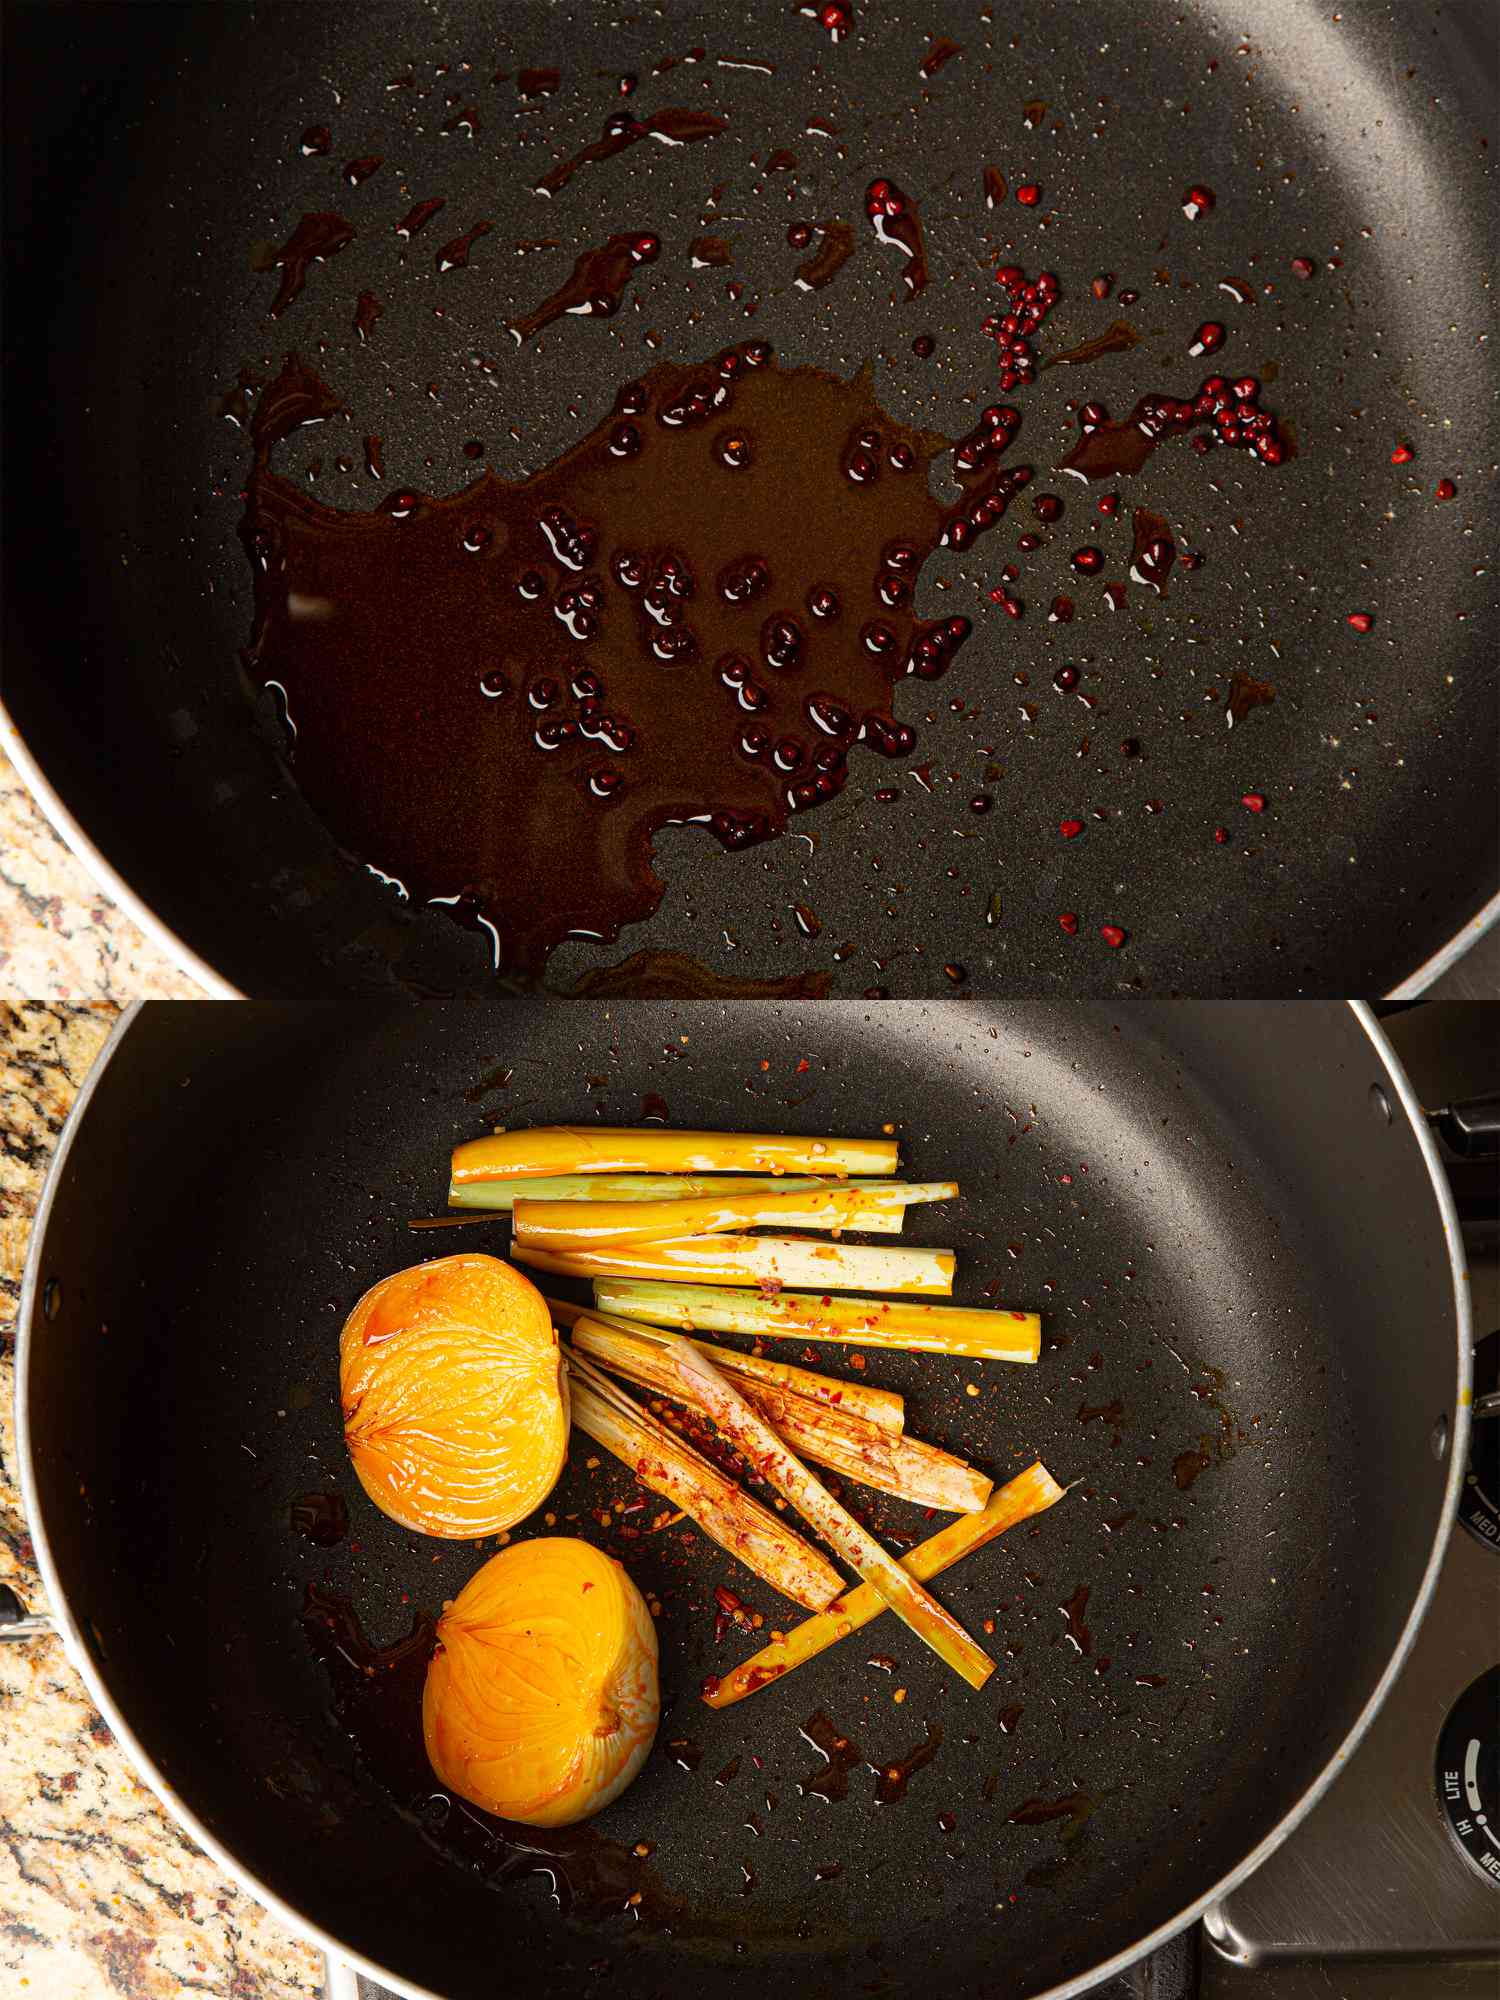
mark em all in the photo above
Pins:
pixel 757 1260
pixel 847 1443
pixel 454 1398
pixel 569 1225
pixel 541 1700
pixel 981 1333
pixel 668 1465
pixel 750 1434
pixel 624 1149
pixel 1027 1494
pixel 861 1399
pixel 504 1194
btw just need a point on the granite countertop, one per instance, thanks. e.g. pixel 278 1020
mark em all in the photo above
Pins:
pixel 101 1894
pixel 60 935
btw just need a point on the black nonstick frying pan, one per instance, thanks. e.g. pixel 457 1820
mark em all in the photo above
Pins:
pixel 1340 838
pixel 1255 1368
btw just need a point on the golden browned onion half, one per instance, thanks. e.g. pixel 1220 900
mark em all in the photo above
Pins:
pixel 541 1700
pixel 455 1397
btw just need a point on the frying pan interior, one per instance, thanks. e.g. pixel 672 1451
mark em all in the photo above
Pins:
pixel 154 152
pixel 1243 1278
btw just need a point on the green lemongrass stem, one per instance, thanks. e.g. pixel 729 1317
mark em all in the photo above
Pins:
pixel 622 1149
pixel 503 1194
pixel 878 1406
pixel 848 1444
pixel 981 1333
pixel 669 1466
pixel 750 1434
pixel 570 1225
pixel 756 1260
pixel 1028 1493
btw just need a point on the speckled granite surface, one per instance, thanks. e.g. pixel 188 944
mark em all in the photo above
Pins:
pixel 59 937
pixel 101 1896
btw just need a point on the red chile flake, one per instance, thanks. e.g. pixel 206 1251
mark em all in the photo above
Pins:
pixel 1362 621
pixel 1087 560
pixel 1113 936
pixel 1069 922
pixel 1221 835
pixel 1445 489
pixel 1109 504
pixel 1197 201
pixel 1402 455
pixel 1029 194
pixel 1302 267
pixel 1254 802
pixel 837 17
pixel 1061 612
pixel 1070 828
pixel 1103 285
pixel 923 346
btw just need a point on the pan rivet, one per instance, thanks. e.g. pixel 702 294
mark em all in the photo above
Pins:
pixel 51 1299
pixel 1380 1104
pixel 1440 1438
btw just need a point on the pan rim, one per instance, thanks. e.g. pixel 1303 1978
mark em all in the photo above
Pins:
pixel 58 815
pixel 217 986
pixel 338 1955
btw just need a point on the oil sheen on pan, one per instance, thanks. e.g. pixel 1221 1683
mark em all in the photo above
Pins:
pixel 693 616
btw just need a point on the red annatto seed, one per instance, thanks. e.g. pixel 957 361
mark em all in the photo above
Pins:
pixel 1303 267
pixel 1254 802
pixel 1069 922
pixel 1029 194
pixel 1070 828
pixel 1402 455
pixel 1445 489
pixel 1362 621
pixel 1112 935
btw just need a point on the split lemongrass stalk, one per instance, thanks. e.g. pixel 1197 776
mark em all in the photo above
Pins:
pixel 568 1225
pixel 982 1333
pixel 848 1444
pixel 622 1149
pixel 669 1466
pixel 1028 1493
pixel 750 1434
pixel 755 1260
pixel 632 1187
pixel 879 1406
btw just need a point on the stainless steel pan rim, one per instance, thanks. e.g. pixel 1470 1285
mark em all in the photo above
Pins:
pixel 339 1955
pixel 53 809
pixel 217 987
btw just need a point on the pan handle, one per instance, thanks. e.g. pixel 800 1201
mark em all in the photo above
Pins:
pixel 16 1622
pixel 1470 1129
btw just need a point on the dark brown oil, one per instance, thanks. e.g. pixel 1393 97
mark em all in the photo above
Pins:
pixel 693 616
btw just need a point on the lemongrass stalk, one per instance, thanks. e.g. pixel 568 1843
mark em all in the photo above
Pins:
pixel 983 1333
pixel 882 1407
pixel 862 1399
pixel 726 1514
pixel 756 1260
pixel 848 1444
pixel 622 1149
pixel 503 1194
pixel 574 1226
pixel 1027 1494
pixel 750 1434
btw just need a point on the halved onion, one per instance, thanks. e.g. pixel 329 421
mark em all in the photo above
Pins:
pixel 455 1397
pixel 541 1700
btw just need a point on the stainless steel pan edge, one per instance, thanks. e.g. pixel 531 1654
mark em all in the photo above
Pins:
pixel 30 1327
